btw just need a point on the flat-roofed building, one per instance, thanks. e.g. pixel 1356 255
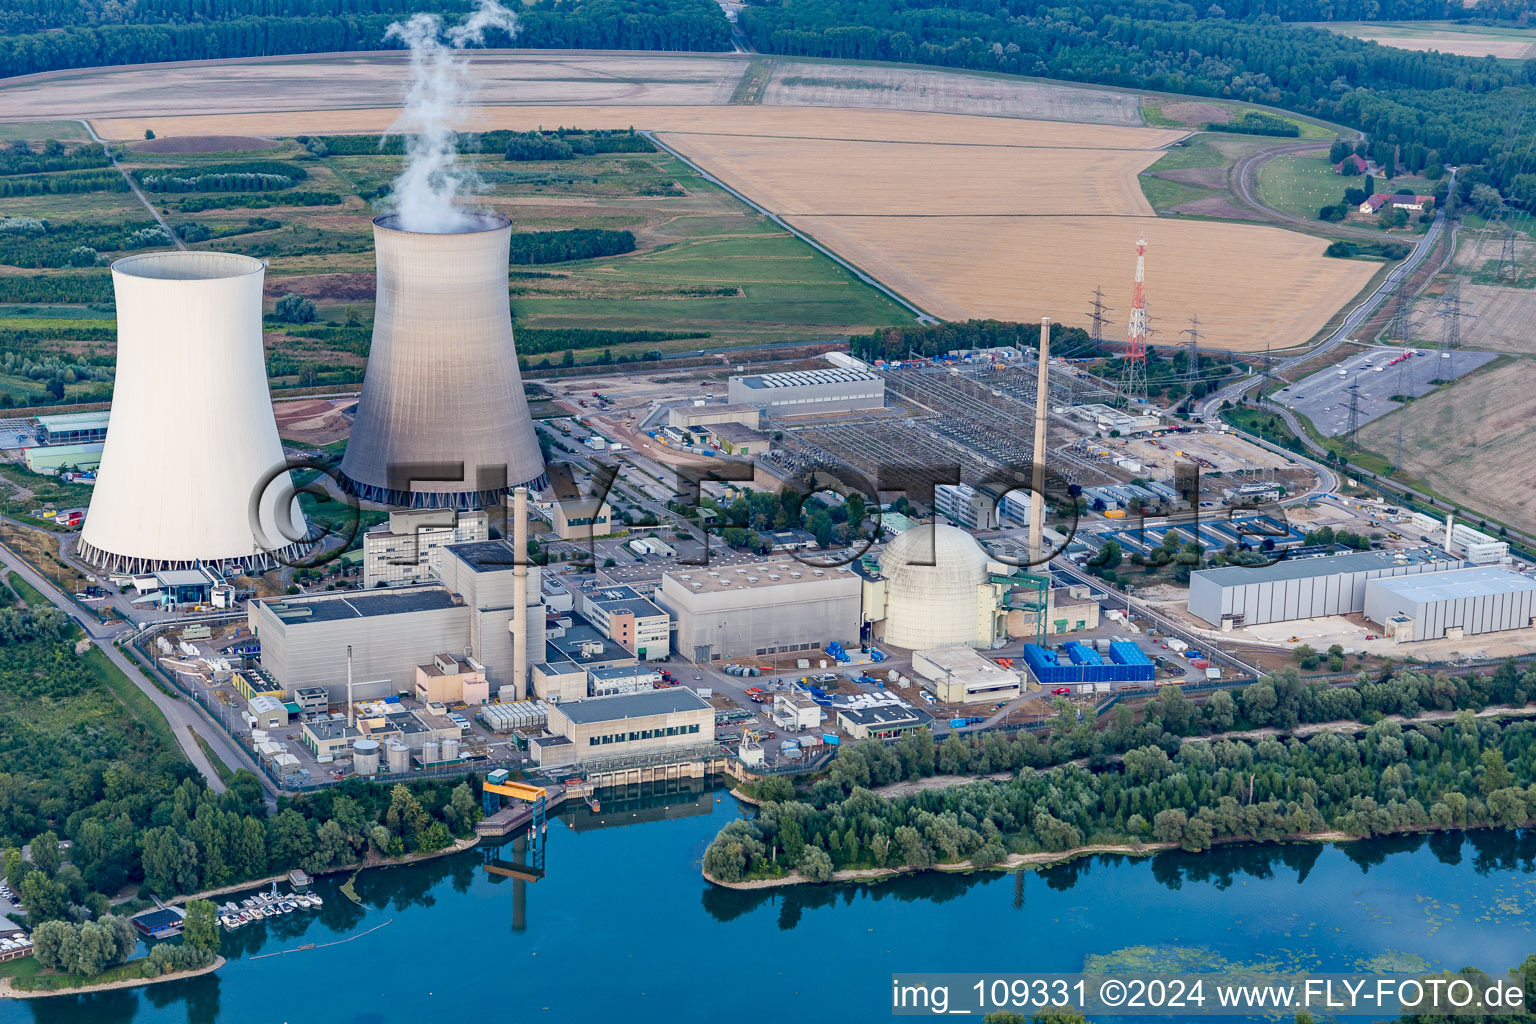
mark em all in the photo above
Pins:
pixel 304 640
pixel 1299 588
pixel 605 682
pixel 965 506
pixel 1455 604
pixel 628 619
pixel 447 679
pixel 399 551
pixel 329 738
pixel 795 710
pixel 735 439
pixel 648 722
pixel 312 700
pixel 958 675
pixel 569 655
pixel 882 721
pixel 761 608
pixel 809 392
pixel 73 428
pixel 685 417
pixel 56 458
pixel 484 574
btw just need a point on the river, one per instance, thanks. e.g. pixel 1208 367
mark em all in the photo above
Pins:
pixel 623 927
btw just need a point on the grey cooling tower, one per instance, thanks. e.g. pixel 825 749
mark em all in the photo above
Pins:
pixel 442 422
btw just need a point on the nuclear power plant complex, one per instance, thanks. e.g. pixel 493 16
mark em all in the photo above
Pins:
pixel 442 421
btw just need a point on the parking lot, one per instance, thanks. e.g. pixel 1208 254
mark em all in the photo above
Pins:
pixel 1324 397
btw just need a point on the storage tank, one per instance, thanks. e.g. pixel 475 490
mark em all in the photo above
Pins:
pixel 365 757
pixel 450 749
pixel 399 756
pixel 429 752
pixel 442 385
pixel 189 337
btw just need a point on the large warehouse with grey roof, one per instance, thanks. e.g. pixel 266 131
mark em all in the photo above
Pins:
pixel 1299 588
pixel 1465 602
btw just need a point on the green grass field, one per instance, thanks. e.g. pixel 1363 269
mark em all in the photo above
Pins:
pixel 1164 194
pixel 26 591
pixel 1301 185
pixel 36 131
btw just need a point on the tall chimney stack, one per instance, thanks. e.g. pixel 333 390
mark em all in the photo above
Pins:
pixel 351 718
pixel 520 591
pixel 1037 482
pixel 1450 520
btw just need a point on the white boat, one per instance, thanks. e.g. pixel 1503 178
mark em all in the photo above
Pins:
pixel 316 900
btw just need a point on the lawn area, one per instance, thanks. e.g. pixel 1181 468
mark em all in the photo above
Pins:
pixel 26 591
pixel 1164 194
pixel 36 131
pixel 1263 423
pixel 225 773
pixel 1301 185
pixel 1199 153
pixel 30 975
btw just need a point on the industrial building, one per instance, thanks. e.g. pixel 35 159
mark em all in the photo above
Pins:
pixel 699 414
pixel 442 395
pixel 447 679
pixel 958 675
pixel 628 619
pixel 398 552
pixel 1454 604
pixel 1114 420
pixel 48 460
pixel 930 591
pixel 73 428
pixel 761 608
pixel 735 439
pixel 485 576
pixel 1299 588
pixel 581 518
pixel 304 640
pixel 963 505
pixel 648 722
pixel 192 471
pixel 1459 539
pixel 880 721
pixel 570 655
pixel 809 392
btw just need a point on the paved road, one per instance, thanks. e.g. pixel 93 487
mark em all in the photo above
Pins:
pixel 1352 320
pixel 182 715
pixel 1243 180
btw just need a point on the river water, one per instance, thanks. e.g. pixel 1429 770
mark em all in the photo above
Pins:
pixel 622 927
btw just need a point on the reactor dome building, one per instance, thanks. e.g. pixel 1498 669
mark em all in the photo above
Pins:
pixel 932 573
pixel 442 421
pixel 192 472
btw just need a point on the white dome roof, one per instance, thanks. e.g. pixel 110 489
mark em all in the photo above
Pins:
pixel 931 601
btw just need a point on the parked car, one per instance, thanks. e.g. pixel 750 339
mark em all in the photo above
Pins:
pixel 1060 691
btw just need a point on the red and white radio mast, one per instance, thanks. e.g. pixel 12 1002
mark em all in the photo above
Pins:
pixel 1134 385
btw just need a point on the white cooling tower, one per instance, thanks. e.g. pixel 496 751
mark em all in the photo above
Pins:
pixel 192 471
pixel 442 402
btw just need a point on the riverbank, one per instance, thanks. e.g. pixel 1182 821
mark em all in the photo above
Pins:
pixel 1023 861
pixel 9 991
pixel 370 861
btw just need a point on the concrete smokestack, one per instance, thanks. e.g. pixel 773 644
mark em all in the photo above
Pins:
pixel 1450 522
pixel 442 400
pixel 520 590
pixel 1037 482
pixel 351 717
pixel 192 470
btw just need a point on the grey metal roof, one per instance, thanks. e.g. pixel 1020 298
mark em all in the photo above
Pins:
pixel 801 378
pixel 361 605
pixel 484 555
pixel 1429 587
pixel 633 705
pixel 1302 568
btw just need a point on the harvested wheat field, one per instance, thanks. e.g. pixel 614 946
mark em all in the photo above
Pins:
pixel 1472 441
pixel 832 85
pixel 1446 37
pixel 796 177
pixel 1252 286
pixel 1503 316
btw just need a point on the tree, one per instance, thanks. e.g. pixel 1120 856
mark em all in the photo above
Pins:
pixel 1338 151
pixel 200 931
pixel 1495 774
pixel 43 898
pixel 45 852
pixel 294 309
pixel 815 865
pixel 149 133
pixel 55 943
pixel 1486 200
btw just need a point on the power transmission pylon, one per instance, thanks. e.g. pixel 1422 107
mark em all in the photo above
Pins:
pixel 1193 330
pixel 1397 326
pixel 1354 415
pixel 1096 333
pixel 1452 313
pixel 1509 267
pixel 1397 462
pixel 1268 377
pixel 1134 384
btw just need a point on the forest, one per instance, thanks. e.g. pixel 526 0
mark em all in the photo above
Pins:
pixel 1165 786
pixel 91 761
pixel 536 247
pixel 48 35
pixel 1431 108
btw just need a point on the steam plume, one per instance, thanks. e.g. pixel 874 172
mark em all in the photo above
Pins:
pixel 425 192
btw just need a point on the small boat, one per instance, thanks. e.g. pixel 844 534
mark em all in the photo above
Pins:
pixel 302 901
pixel 286 907
pixel 316 900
